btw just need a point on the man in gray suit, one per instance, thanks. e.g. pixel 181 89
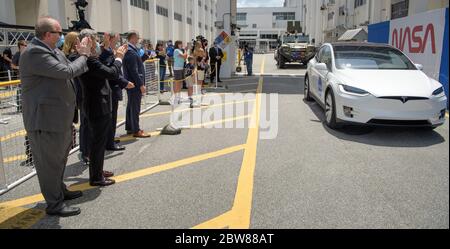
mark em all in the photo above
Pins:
pixel 48 97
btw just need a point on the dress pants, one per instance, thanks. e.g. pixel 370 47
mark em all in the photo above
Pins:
pixel 50 152
pixel 133 110
pixel 99 128
pixel 112 132
pixel 213 72
pixel 84 134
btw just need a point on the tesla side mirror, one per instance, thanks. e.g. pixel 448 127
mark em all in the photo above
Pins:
pixel 419 67
pixel 321 67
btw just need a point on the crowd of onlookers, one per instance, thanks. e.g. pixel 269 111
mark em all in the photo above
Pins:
pixel 80 78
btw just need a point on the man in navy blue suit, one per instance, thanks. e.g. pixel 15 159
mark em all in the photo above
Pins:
pixel 107 57
pixel 133 70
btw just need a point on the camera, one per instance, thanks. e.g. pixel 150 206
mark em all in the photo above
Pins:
pixel 81 3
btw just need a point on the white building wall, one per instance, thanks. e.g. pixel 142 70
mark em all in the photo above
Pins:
pixel 120 16
pixel 266 23
pixel 8 11
pixel 374 11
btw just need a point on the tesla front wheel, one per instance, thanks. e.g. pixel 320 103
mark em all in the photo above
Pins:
pixel 330 110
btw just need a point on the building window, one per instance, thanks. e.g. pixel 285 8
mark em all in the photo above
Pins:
pixel 142 4
pixel 330 16
pixel 200 25
pixel 269 36
pixel 189 20
pixel 342 11
pixel 400 9
pixel 283 16
pixel 359 3
pixel 178 17
pixel 199 3
pixel 255 26
pixel 206 7
pixel 241 17
pixel 206 27
pixel 162 11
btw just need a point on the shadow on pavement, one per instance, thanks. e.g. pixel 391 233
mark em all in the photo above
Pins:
pixel 53 222
pixel 293 66
pixel 380 136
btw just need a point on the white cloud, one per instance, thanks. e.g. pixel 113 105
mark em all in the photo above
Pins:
pixel 260 3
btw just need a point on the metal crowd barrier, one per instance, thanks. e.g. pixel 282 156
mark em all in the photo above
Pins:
pixel 16 159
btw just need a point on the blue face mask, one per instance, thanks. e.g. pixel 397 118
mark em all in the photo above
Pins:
pixel 60 42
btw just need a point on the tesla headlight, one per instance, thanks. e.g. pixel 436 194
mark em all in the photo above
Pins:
pixel 438 91
pixel 353 90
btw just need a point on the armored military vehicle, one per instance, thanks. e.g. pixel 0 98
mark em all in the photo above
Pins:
pixel 294 48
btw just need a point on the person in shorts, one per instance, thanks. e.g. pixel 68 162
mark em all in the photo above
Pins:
pixel 190 74
pixel 179 57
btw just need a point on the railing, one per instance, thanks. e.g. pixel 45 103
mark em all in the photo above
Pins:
pixel 16 159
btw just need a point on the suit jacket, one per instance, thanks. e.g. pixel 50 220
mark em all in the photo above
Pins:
pixel 133 68
pixel 48 94
pixel 78 91
pixel 213 53
pixel 97 95
pixel 107 58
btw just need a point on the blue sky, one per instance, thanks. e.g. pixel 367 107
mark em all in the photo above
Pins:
pixel 260 3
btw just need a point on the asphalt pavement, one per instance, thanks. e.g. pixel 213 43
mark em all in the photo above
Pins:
pixel 308 176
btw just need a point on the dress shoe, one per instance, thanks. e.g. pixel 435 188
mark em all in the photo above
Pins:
pixel 141 134
pixel 107 174
pixel 104 183
pixel 66 212
pixel 72 195
pixel 116 148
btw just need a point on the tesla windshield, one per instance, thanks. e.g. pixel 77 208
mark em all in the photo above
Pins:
pixel 372 58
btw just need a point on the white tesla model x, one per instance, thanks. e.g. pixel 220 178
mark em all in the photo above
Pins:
pixel 373 84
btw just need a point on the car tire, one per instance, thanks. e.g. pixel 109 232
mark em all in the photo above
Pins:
pixel 281 62
pixel 330 110
pixel 307 88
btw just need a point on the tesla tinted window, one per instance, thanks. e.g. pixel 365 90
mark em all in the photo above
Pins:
pixel 375 58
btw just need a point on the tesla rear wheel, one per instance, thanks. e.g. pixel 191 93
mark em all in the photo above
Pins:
pixel 330 110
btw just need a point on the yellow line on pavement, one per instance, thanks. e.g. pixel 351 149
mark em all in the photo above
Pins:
pixel 203 107
pixel 195 126
pixel 23 132
pixel 13 135
pixel 220 222
pixel 15 158
pixel 38 197
pixel 240 214
pixel 19 217
pixel 9 94
pixel 7 206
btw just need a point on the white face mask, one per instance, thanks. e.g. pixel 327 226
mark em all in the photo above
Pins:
pixel 98 50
